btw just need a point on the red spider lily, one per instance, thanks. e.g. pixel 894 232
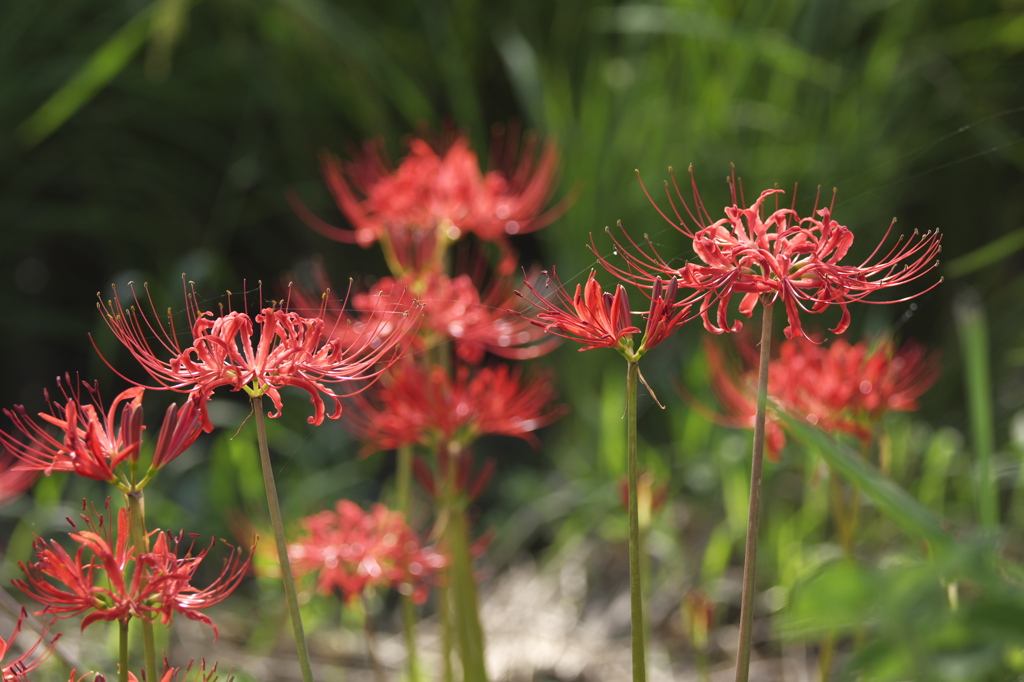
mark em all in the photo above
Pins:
pixel 292 350
pixel 479 317
pixel 170 577
pixel 478 322
pixel 90 440
pixel 840 387
pixel 428 406
pixel 352 551
pixel 599 319
pixel 441 193
pixel 107 579
pixel 170 674
pixel 190 674
pixel 33 657
pixel 781 257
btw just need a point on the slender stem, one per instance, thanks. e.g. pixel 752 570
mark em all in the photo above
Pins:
pixel 754 513
pixel 282 544
pixel 122 674
pixel 403 485
pixel 636 609
pixel 467 607
pixel 137 512
pixel 462 585
pixel 444 610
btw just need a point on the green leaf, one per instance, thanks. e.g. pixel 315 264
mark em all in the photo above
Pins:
pixel 104 65
pixel 891 499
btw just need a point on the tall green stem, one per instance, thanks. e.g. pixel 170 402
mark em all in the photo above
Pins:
pixel 635 586
pixel 403 485
pixel 462 583
pixel 282 544
pixel 122 657
pixel 137 513
pixel 754 513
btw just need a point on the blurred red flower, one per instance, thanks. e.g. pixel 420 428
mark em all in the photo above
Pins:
pixel 414 404
pixel 781 256
pixel 436 195
pixel 840 387
pixel 14 478
pixel 352 551
pixel 292 350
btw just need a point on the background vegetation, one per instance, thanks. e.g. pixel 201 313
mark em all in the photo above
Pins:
pixel 140 140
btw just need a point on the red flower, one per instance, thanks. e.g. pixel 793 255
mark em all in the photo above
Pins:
pixel 840 387
pixel 18 669
pixel 478 322
pixel 91 441
pixel 436 196
pixel 427 406
pixel 781 257
pixel 599 319
pixel 169 580
pixel 109 580
pixel 14 479
pixel 351 550
pixel 292 350
pixel 200 674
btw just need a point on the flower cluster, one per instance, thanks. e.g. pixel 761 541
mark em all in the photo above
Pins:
pixel 417 405
pixel 353 551
pixel 841 387
pixel 109 578
pixel 291 350
pixel 781 256
pixel 435 196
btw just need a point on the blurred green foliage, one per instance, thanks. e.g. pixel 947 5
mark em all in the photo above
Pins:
pixel 140 140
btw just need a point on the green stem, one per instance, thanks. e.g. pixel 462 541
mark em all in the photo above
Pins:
pixel 137 512
pixel 462 585
pixel 282 544
pixel 754 511
pixel 122 674
pixel 403 485
pixel 635 585
pixel 444 610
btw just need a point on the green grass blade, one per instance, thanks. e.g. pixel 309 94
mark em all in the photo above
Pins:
pixel 104 65
pixel 891 499
pixel 983 257
pixel 973 330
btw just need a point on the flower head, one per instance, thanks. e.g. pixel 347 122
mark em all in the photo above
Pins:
pixel 109 579
pixel 599 319
pixel 435 196
pixel 291 350
pixel 780 256
pixel 840 387
pixel 94 441
pixel 414 404
pixel 352 551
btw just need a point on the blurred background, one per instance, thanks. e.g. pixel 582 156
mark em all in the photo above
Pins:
pixel 143 140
